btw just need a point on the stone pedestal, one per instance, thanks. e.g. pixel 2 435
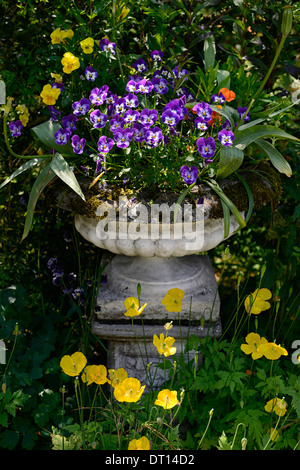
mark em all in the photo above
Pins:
pixel 130 341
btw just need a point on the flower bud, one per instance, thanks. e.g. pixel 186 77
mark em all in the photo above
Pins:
pixel 244 443
pixel 287 20
pixel 139 289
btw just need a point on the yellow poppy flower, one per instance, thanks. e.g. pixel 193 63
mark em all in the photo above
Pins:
pixel 173 300
pixel 73 365
pixel 95 374
pixel 87 45
pixel 164 345
pixel 70 62
pixel 139 444
pixel 257 302
pixel 253 341
pixel 49 94
pixel 130 390
pixel 272 351
pixel 167 399
pixel 278 405
pixel 132 306
pixel 116 376
pixel 274 434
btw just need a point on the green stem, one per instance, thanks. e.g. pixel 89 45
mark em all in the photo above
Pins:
pixel 278 51
pixel 9 147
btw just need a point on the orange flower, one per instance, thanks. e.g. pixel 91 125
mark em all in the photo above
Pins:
pixel 215 116
pixel 228 94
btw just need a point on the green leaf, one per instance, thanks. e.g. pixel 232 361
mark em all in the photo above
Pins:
pixel 235 212
pixel 40 183
pixel 61 168
pixel 250 197
pixel 246 137
pixel 45 133
pixel 21 169
pixel 227 113
pixel 231 159
pixel 209 52
pixel 276 158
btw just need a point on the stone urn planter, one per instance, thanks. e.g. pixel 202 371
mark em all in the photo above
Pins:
pixel 152 248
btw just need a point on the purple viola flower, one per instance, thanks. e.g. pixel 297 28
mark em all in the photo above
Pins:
pixel 120 106
pixel 148 116
pixel 226 137
pixel 169 117
pixel 132 86
pixel 180 73
pixel 107 46
pixel 90 74
pixel 157 55
pixel 203 110
pixel 131 100
pixel 189 174
pixel 81 107
pixel 219 99
pixel 160 85
pixel 54 113
pixel 144 86
pixel 105 144
pixel 98 95
pixel 116 123
pixel 139 132
pixel 201 124
pixel 140 66
pixel 123 137
pixel 206 147
pixel 60 86
pixel 110 98
pixel 242 112
pixel 15 128
pixel 131 116
pixel 62 136
pixel 177 106
pixel 77 144
pixel 154 136
pixel 98 119
pixel 69 122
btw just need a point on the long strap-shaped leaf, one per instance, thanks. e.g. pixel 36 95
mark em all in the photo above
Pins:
pixel 277 159
pixel 21 169
pixel 40 183
pixel 232 207
pixel 62 169
pixel 246 137
pixel 231 159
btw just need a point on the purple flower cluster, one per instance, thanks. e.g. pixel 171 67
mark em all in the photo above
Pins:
pixel 67 282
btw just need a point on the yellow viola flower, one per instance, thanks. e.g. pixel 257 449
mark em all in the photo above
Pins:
pixel 132 306
pixel 173 300
pixel 49 95
pixel 167 399
pixel 274 434
pixel 164 345
pixel 116 376
pixel 58 36
pixel 95 374
pixel 87 45
pixel 57 77
pixel 278 405
pixel 257 302
pixel 73 365
pixel 139 444
pixel 272 351
pixel 55 36
pixel 130 390
pixel 253 341
pixel 70 62
pixel 23 112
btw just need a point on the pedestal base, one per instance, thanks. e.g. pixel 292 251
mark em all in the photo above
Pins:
pixel 130 341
